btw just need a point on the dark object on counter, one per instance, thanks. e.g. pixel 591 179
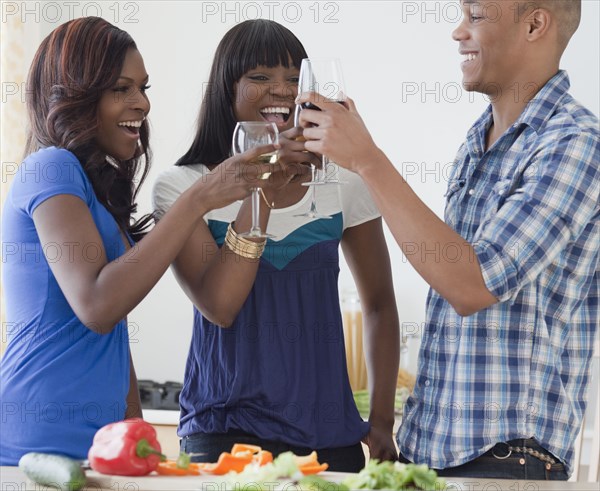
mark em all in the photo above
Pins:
pixel 125 448
pixel 53 470
pixel 159 396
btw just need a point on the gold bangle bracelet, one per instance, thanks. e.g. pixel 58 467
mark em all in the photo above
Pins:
pixel 244 250
pixel 243 247
pixel 243 240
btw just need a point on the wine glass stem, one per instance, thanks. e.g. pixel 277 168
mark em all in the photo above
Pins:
pixel 313 201
pixel 322 175
pixel 255 211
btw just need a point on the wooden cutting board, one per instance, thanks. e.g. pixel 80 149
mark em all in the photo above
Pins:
pixel 154 482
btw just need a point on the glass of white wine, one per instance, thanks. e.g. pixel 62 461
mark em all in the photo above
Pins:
pixel 251 134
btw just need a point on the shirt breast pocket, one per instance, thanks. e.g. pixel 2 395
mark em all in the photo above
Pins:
pixel 497 197
pixel 452 201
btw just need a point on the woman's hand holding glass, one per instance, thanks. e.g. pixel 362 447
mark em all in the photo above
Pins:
pixel 294 165
pixel 293 157
pixel 248 135
pixel 234 179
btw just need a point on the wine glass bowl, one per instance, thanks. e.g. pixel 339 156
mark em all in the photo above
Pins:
pixel 248 135
pixel 323 77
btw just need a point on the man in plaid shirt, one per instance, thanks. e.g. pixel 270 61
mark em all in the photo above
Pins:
pixel 512 315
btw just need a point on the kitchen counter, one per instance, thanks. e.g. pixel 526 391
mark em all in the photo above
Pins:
pixel 12 479
pixel 165 422
pixel 161 416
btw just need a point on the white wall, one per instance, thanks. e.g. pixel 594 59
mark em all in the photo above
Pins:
pixel 401 68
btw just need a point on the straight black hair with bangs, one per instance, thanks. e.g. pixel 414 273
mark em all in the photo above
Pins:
pixel 244 47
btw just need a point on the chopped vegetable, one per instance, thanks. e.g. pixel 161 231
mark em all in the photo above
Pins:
pixel 309 464
pixel 170 468
pixel 305 459
pixel 263 457
pixel 125 448
pixel 259 456
pixel 242 456
pixel 184 460
pixel 235 461
pixel 227 463
pixel 308 469
pixel 316 483
pixel 244 447
pixel 53 470
pixel 394 476
pixel 284 466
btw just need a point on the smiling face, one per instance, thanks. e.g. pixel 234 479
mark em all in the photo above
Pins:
pixel 491 40
pixel 267 94
pixel 123 108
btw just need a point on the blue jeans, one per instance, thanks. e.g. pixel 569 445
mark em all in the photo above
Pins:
pixel 210 446
pixel 496 463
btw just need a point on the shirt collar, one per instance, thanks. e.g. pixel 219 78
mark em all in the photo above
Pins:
pixel 535 114
pixel 542 106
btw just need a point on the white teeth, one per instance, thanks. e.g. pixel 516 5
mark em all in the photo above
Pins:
pixel 132 124
pixel 470 56
pixel 275 110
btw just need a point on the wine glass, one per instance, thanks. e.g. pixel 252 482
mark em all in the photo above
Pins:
pixel 325 78
pixel 247 135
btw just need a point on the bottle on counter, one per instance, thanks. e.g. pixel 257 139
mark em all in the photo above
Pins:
pixel 353 338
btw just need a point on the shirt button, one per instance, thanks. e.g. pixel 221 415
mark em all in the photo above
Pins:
pixel 427 383
pixel 471 192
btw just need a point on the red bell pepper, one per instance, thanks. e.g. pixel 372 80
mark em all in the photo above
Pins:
pixel 125 448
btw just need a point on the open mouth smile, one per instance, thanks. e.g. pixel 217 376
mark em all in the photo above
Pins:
pixel 276 114
pixel 132 127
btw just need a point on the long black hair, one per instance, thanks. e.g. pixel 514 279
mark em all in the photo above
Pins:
pixel 71 69
pixel 243 48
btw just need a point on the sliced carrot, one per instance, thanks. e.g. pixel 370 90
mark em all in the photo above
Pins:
pixel 244 447
pixel 263 457
pixel 313 468
pixel 169 468
pixel 243 454
pixel 310 459
pixel 226 463
pixel 205 467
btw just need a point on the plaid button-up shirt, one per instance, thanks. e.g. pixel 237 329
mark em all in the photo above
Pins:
pixel 529 205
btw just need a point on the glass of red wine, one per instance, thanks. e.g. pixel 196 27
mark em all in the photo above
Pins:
pixel 324 77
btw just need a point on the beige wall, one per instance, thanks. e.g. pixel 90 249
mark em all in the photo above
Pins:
pixel 18 41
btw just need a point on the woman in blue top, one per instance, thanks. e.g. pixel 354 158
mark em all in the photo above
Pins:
pixel 74 263
pixel 267 362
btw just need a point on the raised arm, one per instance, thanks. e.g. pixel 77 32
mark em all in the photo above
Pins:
pixel 547 196
pixel 342 135
pixel 101 292
pixel 217 280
